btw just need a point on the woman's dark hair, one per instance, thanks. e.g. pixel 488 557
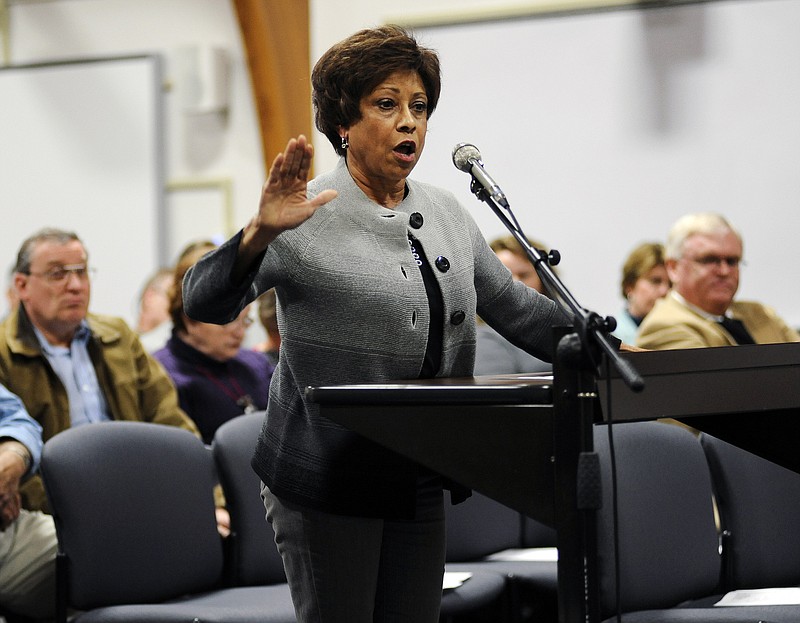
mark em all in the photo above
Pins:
pixel 355 66
pixel 641 261
pixel 188 257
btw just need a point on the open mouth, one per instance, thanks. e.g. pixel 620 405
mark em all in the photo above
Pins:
pixel 406 149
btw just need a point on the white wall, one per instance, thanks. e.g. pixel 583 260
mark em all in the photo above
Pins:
pixel 215 150
pixel 333 20
pixel 213 161
pixel 218 148
pixel 82 150
pixel 604 127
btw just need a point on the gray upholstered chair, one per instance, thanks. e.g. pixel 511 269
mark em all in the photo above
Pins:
pixel 254 557
pixel 134 513
pixel 668 544
pixel 480 528
pixel 670 566
pixel 759 507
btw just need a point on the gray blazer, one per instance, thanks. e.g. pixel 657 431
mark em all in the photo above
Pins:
pixel 352 308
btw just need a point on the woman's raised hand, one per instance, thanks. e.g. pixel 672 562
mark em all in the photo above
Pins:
pixel 284 203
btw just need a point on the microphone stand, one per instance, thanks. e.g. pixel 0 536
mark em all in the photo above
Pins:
pixel 577 489
pixel 592 329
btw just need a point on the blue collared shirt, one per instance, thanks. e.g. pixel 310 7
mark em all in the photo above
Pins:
pixel 15 423
pixel 87 404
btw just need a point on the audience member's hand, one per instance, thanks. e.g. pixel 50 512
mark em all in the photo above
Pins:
pixel 629 348
pixel 11 470
pixel 10 506
pixel 223 522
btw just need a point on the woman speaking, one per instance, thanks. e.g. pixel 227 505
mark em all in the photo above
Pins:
pixel 378 278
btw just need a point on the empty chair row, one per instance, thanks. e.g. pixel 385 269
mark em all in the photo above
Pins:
pixel 663 553
pixel 138 542
pixel 149 550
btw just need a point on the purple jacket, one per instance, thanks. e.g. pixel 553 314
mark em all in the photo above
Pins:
pixel 213 392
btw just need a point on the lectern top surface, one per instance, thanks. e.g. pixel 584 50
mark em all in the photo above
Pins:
pixel 499 389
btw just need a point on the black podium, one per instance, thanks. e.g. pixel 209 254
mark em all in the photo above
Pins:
pixel 518 438
pixel 492 434
pixel 498 435
pixel 748 396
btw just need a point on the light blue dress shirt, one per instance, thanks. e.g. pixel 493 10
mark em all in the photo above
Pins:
pixel 15 423
pixel 74 367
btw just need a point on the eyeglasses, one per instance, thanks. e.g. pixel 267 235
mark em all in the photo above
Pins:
pixel 245 321
pixel 60 274
pixel 708 261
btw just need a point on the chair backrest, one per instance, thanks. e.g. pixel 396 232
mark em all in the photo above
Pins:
pixel 254 556
pixel 668 544
pixel 480 526
pixel 537 534
pixel 134 512
pixel 759 506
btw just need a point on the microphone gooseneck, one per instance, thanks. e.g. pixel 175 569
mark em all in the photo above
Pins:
pixel 591 329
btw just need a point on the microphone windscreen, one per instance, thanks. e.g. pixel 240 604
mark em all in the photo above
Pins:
pixel 464 154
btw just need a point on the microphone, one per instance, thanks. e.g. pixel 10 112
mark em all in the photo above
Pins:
pixel 467 158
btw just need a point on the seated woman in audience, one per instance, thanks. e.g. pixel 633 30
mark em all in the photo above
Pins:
pixel 644 281
pixel 216 378
pixel 268 315
pixel 153 323
pixel 493 353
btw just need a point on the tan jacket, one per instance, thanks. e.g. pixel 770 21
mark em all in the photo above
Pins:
pixel 134 384
pixel 672 325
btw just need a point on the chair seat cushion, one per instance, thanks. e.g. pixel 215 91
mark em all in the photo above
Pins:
pixel 739 614
pixel 481 590
pixel 265 604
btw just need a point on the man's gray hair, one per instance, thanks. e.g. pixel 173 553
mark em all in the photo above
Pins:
pixel 48 234
pixel 691 224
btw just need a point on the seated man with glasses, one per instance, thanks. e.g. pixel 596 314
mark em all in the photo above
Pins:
pixel 703 259
pixel 71 367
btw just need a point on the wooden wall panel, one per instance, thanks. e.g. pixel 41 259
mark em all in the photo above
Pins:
pixel 276 40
